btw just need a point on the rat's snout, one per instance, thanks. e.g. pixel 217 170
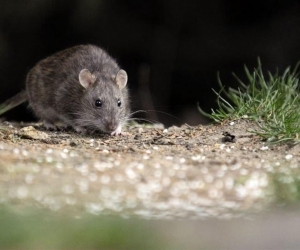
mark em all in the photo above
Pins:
pixel 111 126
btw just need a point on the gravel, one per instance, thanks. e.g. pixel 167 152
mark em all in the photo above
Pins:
pixel 215 171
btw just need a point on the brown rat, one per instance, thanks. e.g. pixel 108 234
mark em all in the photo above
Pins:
pixel 81 86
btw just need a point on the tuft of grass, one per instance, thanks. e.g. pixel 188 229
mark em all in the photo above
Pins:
pixel 272 101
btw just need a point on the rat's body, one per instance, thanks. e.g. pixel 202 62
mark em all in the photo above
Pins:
pixel 81 86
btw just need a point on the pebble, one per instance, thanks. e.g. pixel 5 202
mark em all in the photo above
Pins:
pixel 264 148
pixel 31 133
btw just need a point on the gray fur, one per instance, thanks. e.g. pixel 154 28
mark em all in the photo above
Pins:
pixel 56 95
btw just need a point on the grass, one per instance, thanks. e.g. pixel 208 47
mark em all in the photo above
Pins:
pixel 271 100
pixel 36 229
pixel 286 187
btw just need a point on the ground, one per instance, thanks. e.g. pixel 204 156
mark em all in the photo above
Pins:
pixel 219 170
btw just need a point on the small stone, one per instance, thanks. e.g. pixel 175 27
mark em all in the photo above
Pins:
pixel 264 148
pixel 137 137
pixel 73 143
pixel 31 133
pixel 158 126
pixel 174 128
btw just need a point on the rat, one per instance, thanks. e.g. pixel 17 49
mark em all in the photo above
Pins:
pixel 81 86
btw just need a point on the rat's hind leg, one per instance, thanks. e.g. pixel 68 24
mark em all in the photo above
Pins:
pixel 51 119
pixel 55 125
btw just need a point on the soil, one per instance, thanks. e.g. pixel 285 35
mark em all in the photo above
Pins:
pixel 218 170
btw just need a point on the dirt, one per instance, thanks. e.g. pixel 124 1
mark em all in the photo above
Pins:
pixel 151 172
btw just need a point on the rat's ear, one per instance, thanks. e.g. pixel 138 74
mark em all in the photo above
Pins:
pixel 121 78
pixel 86 79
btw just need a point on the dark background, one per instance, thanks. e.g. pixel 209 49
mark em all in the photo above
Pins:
pixel 171 50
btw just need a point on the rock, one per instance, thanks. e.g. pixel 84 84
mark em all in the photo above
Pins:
pixel 31 133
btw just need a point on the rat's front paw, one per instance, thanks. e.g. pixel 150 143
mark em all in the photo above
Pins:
pixel 80 130
pixel 118 131
pixel 49 126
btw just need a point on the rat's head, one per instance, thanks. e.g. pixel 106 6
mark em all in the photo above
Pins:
pixel 105 102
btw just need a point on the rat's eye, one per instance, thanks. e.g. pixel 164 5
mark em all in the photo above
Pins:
pixel 98 103
pixel 119 103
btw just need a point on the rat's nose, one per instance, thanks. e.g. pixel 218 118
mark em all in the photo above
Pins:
pixel 111 126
